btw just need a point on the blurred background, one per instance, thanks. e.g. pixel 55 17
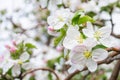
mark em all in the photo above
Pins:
pixel 27 20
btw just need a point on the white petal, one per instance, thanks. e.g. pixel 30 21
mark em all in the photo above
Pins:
pixel 77 56
pixel 59 25
pixel 69 43
pixel 71 69
pixel 108 42
pixel 79 67
pixel 106 31
pixel 6 66
pixel 16 70
pixel 27 65
pixel 92 65
pixel 43 3
pixel 25 56
pixel 78 59
pixel 89 30
pixel 73 31
pixel 90 43
pixel 99 54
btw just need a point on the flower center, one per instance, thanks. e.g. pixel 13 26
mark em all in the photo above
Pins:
pixel 61 18
pixel 87 54
pixel 80 39
pixel 97 35
pixel 20 62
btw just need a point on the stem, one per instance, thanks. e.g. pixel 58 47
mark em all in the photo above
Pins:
pixel 44 69
pixel 115 72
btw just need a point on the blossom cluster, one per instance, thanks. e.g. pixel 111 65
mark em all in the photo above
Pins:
pixel 85 42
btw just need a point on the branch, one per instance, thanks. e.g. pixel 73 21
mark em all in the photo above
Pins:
pixel 115 72
pixel 44 69
pixel 112 32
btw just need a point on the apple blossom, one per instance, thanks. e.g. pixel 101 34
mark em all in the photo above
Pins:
pixel 101 35
pixel 82 56
pixel 59 18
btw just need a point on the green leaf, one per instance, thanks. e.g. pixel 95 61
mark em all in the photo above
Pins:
pixel 91 14
pixel 85 19
pixel 50 76
pixel 99 46
pixel 76 17
pixel 50 63
pixel 59 38
pixel 30 46
pixel 32 78
pixel 108 8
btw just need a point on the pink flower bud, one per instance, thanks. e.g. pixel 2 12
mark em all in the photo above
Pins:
pixel 12 49
pixel 1 58
pixel 59 48
pixel 50 28
pixel 7 46
pixel 14 43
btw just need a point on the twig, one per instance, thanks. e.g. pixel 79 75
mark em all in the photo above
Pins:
pixel 112 32
pixel 44 69
pixel 115 72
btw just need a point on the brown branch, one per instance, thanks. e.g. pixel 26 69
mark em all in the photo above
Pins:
pixel 115 72
pixel 106 61
pixel 44 69
pixel 112 32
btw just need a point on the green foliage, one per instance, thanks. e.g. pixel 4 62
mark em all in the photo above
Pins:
pixel 29 45
pixel 50 63
pixel 19 51
pixel 109 7
pixel 50 76
pixel 62 35
pixel 99 46
pixel 21 48
pixel 2 12
pixel 32 78
pixel 85 19
pixel 78 19
pixel 91 14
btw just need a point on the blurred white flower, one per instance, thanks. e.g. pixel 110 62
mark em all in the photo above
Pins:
pixel 21 62
pixel 59 18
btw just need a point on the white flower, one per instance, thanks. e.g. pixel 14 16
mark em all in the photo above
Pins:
pixel 72 4
pixel 21 63
pixel 5 62
pixel 102 35
pixel 59 18
pixel 74 38
pixel 83 55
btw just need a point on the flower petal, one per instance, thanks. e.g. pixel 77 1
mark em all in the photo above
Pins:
pixel 89 30
pixel 108 42
pixel 99 54
pixel 90 43
pixel 76 55
pixel 73 31
pixel 25 56
pixel 106 31
pixel 92 65
pixel 71 69
pixel 27 65
pixel 59 25
pixel 16 70
pixel 69 43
